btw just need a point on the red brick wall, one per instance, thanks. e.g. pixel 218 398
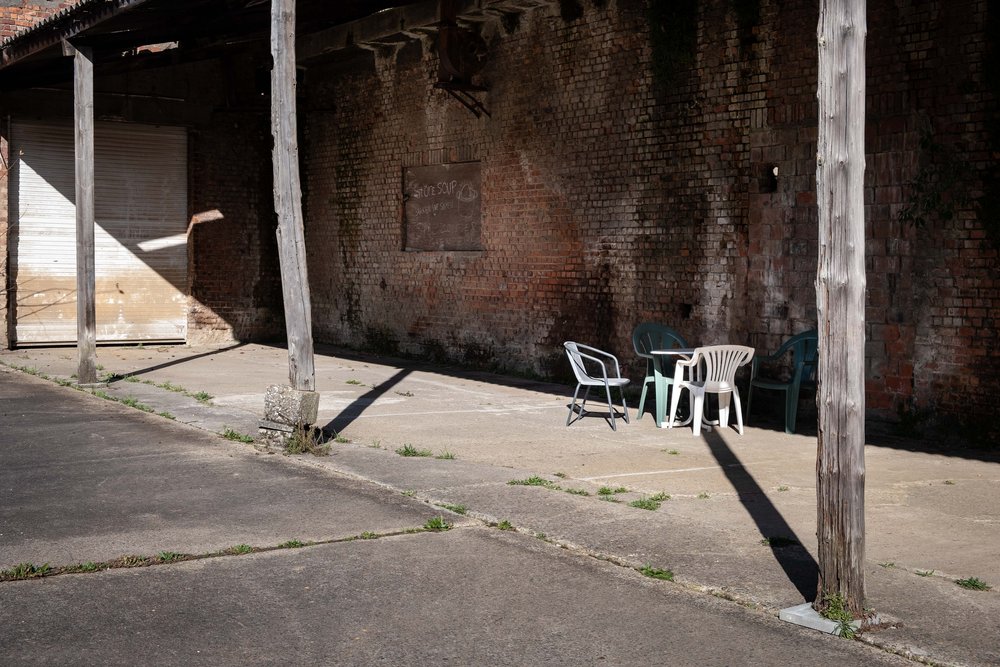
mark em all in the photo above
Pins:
pixel 235 282
pixel 610 197
pixel 23 15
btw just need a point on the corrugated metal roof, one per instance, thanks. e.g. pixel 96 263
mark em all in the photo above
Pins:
pixel 61 25
pixel 52 18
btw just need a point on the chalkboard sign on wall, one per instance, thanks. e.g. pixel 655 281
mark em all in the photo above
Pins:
pixel 442 207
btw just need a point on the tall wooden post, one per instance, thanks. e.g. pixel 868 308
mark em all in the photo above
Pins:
pixel 83 114
pixel 840 301
pixel 288 199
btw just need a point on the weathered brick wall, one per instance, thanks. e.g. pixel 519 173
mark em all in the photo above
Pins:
pixel 234 284
pixel 234 279
pixel 613 195
pixel 18 15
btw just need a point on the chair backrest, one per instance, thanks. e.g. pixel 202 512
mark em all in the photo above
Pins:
pixel 721 361
pixel 805 353
pixel 576 361
pixel 652 336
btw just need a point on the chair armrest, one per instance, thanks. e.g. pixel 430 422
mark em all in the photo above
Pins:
pixel 604 369
pixel 601 353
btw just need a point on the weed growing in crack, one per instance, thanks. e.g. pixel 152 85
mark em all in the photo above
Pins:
pixel 306 440
pixel 239 549
pixel 25 571
pixel 445 456
pixel 292 544
pixel 645 504
pixel 924 573
pixel 133 561
pixel 834 607
pixel 457 509
pixel 410 450
pixel 236 436
pixel 505 525
pixel 656 573
pixel 168 556
pixel 534 480
pixel 973 584
pixel 437 524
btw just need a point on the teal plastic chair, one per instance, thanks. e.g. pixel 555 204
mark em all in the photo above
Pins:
pixel 804 350
pixel 651 336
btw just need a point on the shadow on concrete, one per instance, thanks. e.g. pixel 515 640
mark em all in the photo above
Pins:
pixel 799 565
pixel 497 378
pixel 354 410
pixel 176 362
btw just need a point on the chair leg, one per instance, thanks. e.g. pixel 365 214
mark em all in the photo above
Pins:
pixel 611 408
pixel 624 404
pixel 642 396
pixel 572 405
pixel 583 403
pixel 724 400
pixel 698 398
pixel 749 399
pixel 675 398
pixel 739 412
pixel 791 409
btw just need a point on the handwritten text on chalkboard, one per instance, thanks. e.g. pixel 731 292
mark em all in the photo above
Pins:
pixel 442 207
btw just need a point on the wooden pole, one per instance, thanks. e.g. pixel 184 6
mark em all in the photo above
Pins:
pixel 840 301
pixel 83 113
pixel 288 198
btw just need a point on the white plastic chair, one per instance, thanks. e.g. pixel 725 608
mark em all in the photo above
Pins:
pixel 598 377
pixel 716 375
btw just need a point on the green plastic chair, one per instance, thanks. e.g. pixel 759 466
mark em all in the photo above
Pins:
pixel 804 350
pixel 651 336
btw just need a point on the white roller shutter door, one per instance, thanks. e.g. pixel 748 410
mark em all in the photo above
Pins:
pixel 140 237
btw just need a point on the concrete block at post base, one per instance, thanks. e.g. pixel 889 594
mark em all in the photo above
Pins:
pixel 291 407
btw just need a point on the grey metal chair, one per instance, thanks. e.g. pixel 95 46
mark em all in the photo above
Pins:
pixel 594 368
